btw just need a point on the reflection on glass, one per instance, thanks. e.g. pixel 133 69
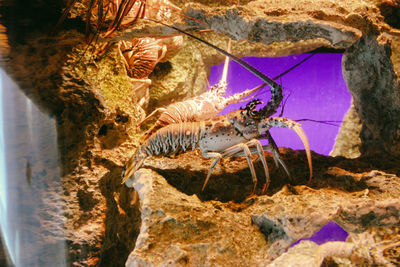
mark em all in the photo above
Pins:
pixel 31 204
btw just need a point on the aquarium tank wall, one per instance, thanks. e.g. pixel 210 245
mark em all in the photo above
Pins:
pixel 199 133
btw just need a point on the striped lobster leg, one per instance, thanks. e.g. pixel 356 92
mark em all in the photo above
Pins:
pixel 243 148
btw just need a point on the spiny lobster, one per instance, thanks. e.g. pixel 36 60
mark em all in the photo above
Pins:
pixel 207 106
pixel 129 11
pixel 224 136
pixel 211 102
pixel 141 55
pixel 233 134
pixel 203 107
pixel 120 12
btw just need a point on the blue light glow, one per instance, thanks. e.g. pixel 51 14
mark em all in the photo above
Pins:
pixel 4 212
pixel 31 198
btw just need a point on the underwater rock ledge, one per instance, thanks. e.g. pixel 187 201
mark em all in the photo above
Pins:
pixel 179 228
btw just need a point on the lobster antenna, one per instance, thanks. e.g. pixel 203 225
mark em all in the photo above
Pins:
pixel 285 72
pixel 294 66
pixel 236 59
pixel 284 104
pixel 225 71
pixel 331 123
pixel 288 70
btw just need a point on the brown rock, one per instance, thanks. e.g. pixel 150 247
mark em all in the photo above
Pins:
pixel 181 229
pixel 96 113
pixel 347 143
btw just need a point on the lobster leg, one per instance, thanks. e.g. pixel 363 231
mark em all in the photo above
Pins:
pixel 145 82
pixel 163 53
pixel 243 96
pixel 261 156
pixel 151 114
pixel 276 155
pixel 217 157
pixel 232 150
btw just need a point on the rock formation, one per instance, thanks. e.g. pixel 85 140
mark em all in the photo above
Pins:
pixel 173 222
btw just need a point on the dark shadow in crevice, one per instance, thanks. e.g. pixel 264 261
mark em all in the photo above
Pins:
pixel 390 10
pixel 122 221
pixel 232 180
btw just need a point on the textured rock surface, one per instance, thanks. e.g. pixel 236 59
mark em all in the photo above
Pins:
pixel 183 229
pixel 378 246
pixel 275 23
pixel 375 90
pixel 347 143
pixel 303 254
pixel 367 65
pixel 95 110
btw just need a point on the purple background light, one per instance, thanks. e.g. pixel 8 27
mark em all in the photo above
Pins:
pixel 315 90
pixel 329 232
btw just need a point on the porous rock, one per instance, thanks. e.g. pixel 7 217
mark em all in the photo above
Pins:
pixel 303 254
pixel 96 114
pixel 255 231
pixel 348 142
